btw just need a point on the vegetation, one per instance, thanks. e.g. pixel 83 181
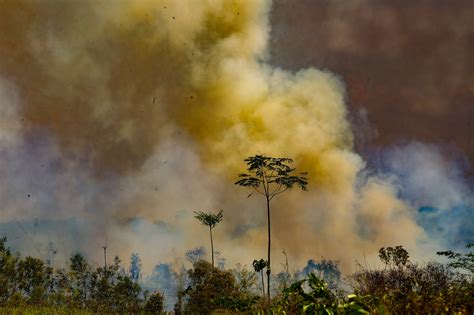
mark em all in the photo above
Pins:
pixel 403 287
pixel 258 266
pixel 270 176
pixel 29 282
pixel 460 260
pixel 210 220
pixel 31 286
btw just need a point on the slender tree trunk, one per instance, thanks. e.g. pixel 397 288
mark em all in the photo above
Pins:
pixel 212 247
pixel 269 246
pixel 105 258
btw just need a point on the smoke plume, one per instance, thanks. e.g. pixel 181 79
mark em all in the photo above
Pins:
pixel 127 116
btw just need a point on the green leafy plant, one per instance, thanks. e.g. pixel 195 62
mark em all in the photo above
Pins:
pixel 317 298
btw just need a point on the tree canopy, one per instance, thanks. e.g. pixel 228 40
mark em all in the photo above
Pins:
pixel 209 219
pixel 271 176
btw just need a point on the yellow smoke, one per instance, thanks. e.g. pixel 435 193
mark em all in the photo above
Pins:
pixel 121 82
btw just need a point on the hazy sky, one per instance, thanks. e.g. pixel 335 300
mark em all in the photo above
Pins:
pixel 118 119
pixel 408 65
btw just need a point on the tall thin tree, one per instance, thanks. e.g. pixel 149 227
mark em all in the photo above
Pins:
pixel 211 220
pixel 270 177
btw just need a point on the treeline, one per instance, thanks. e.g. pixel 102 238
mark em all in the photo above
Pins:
pixel 400 287
pixel 30 281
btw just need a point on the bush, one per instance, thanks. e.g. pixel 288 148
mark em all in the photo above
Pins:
pixel 214 289
pixel 155 304
pixel 404 287
pixel 313 296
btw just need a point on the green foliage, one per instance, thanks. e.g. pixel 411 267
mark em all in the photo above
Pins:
pixel 236 304
pixel 259 265
pixel 245 279
pixel 326 269
pixel 30 282
pixel 29 286
pixel 459 260
pixel 41 310
pixel 111 289
pixel 8 273
pixel 317 298
pixel 196 254
pixel 79 280
pixel 270 176
pixel 209 219
pixel 213 289
pixel 396 256
pixel 155 304
pixel 403 287
pixel 34 280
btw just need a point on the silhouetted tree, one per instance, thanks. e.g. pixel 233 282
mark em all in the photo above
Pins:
pixel 270 177
pixel 194 255
pixel 135 267
pixel 210 220
pixel 460 260
pixel 258 266
pixel 396 256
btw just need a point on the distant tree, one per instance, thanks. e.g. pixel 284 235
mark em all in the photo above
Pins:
pixel 270 176
pixel 52 251
pixel 135 267
pixel 196 254
pixel 396 256
pixel 221 262
pixel 258 266
pixel 80 278
pixel 181 280
pixel 211 220
pixel 164 279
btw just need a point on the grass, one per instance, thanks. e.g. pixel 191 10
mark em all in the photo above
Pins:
pixel 33 310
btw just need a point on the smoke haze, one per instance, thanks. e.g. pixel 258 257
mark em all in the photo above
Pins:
pixel 124 117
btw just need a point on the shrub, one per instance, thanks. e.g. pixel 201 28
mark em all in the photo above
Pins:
pixel 155 304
